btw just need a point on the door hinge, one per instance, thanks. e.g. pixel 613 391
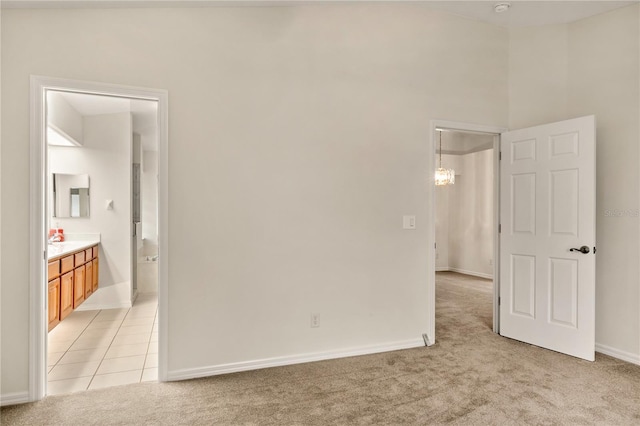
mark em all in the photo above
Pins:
pixel 435 245
pixel 499 228
pixel 499 301
pixel 500 156
pixel 44 255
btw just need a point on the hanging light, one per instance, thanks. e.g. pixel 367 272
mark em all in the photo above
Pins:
pixel 444 176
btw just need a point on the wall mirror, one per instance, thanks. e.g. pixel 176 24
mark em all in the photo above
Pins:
pixel 70 195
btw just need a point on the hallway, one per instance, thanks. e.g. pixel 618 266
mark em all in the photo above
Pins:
pixel 463 301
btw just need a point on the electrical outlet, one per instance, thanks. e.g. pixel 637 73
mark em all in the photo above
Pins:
pixel 315 320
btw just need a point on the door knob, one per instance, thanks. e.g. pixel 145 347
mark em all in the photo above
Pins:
pixel 583 249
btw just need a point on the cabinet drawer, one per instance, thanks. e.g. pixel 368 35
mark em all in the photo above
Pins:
pixel 95 252
pixel 66 264
pixel 53 270
pixel 88 254
pixel 79 258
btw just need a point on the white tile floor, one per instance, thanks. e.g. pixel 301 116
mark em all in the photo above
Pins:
pixel 97 349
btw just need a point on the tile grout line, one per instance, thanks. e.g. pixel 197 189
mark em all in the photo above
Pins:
pixel 109 347
pixel 146 355
pixel 67 350
pixel 114 337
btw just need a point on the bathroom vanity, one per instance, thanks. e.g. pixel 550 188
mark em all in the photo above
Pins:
pixel 72 277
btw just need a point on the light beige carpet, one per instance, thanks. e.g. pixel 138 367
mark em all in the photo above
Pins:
pixel 471 376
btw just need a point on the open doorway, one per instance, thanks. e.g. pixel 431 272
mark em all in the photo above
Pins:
pixel 99 152
pixel 537 193
pixel 102 169
pixel 464 217
pixel 465 220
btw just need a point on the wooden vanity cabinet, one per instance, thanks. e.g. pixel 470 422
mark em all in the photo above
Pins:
pixel 54 303
pixel 72 279
pixel 66 286
pixel 53 272
pixel 88 279
pixel 78 286
pixel 66 295
pixel 95 271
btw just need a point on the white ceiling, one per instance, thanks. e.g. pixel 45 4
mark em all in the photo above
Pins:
pixel 522 12
pixel 143 112
pixel 529 13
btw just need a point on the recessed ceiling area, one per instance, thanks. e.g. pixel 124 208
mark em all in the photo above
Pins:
pixel 143 112
pixel 457 142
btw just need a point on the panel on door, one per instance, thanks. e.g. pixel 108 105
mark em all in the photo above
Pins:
pixel 66 295
pixel 53 298
pixel 547 208
pixel 88 280
pixel 78 286
pixel 95 274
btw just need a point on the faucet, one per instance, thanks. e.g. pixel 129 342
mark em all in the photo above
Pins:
pixel 55 238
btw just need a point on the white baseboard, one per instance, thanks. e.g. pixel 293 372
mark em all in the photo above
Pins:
pixel 214 370
pixel 442 269
pixel 14 398
pixel 617 353
pixel 475 274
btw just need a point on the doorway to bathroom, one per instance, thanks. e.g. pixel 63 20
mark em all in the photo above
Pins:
pixel 115 139
pixel 108 335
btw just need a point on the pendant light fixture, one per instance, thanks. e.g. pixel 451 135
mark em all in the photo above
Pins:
pixel 444 176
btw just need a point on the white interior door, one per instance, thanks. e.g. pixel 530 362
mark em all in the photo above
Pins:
pixel 547 208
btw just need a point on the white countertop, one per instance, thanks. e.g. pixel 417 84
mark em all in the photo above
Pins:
pixel 66 247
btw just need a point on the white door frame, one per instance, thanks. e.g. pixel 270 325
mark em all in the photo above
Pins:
pixel 431 220
pixel 38 210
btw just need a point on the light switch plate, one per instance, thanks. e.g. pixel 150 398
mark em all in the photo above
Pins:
pixel 408 222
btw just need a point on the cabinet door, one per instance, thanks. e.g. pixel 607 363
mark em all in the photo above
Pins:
pixel 78 286
pixel 95 274
pixel 88 279
pixel 66 295
pixel 54 303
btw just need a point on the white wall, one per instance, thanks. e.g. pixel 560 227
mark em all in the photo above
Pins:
pixel 442 228
pixel 604 64
pixel 471 216
pixel 465 214
pixel 583 68
pixel 106 158
pixel 149 203
pixel 538 75
pixel 20 392
pixel 298 139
